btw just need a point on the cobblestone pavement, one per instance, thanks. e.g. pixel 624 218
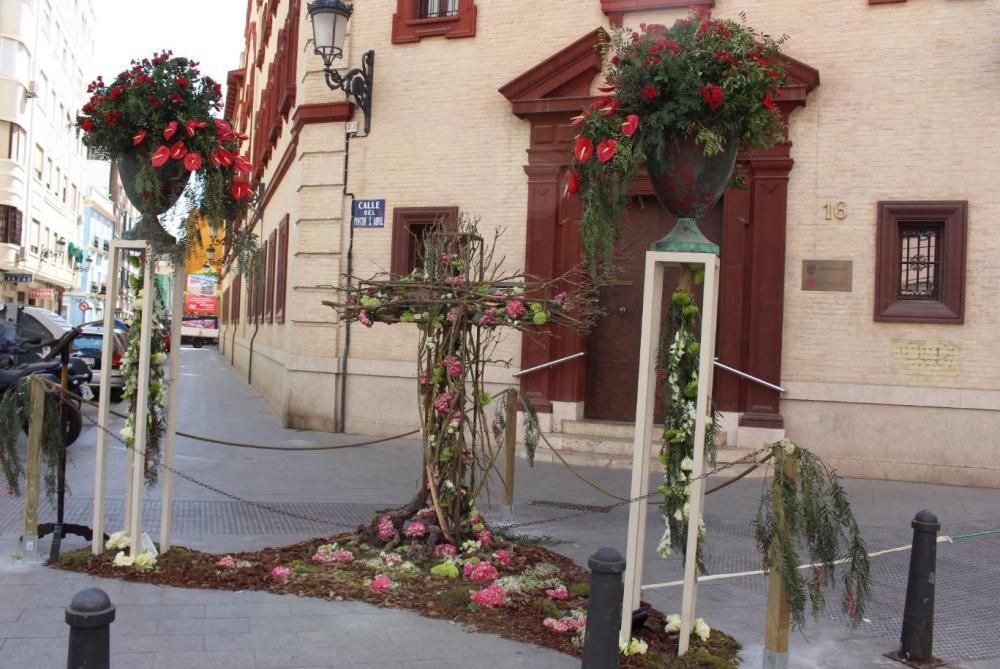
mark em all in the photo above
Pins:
pixel 344 487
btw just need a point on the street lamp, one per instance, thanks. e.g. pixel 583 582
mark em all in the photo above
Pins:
pixel 329 19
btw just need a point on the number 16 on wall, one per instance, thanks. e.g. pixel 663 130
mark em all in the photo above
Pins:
pixel 835 210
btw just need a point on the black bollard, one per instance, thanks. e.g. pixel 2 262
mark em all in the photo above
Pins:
pixel 604 610
pixel 917 639
pixel 89 617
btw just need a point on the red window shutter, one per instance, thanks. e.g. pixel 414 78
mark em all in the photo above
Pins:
pixel 269 279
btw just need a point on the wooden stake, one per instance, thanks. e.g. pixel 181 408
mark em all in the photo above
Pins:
pixel 437 506
pixel 36 427
pixel 778 620
pixel 510 448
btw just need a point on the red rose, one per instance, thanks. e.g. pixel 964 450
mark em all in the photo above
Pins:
pixel 583 149
pixel 181 81
pixel 170 130
pixel 221 157
pixel 160 156
pixel 138 138
pixel 87 125
pixel 240 189
pixel 178 150
pixel 192 161
pixel 672 45
pixel 768 101
pixel 615 60
pixel 572 183
pixel 116 92
pixel 650 92
pixel 630 125
pixel 175 98
pixel 606 150
pixel 713 96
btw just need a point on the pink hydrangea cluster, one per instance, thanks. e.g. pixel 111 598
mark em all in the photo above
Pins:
pixel 442 550
pixel 386 530
pixel 560 298
pixel 226 562
pixel 281 573
pixel 484 537
pixel 503 557
pixel 442 403
pixel 491 597
pixel 415 530
pixel 489 317
pixel 364 318
pixel 515 309
pixel 422 378
pixel 560 593
pixel 324 555
pixel 563 625
pixel 481 572
pixel 381 583
pixel 393 560
pixel 453 314
pixel 454 280
pixel 453 365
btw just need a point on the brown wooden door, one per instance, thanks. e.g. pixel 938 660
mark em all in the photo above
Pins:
pixel 613 345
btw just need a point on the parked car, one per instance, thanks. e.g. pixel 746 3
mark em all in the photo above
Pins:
pixel 89 346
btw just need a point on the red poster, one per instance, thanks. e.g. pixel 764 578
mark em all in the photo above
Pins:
pixel 199 304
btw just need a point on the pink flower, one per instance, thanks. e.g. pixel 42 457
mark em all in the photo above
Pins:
pixel 560 593
pixel 515 309
pixel 227 562
pixel 454 281
pixel 386 530
pixel 381 583
pixel 484 537
pixel 563 625
pixel 416 529
pixel 453 314
pixel 503 557
pixel 453 365
pixel 489 315
pixel 364 319
pixel 422 378
pixel 442 550
pixel 491 597
pixel 281 573
pixel 480 572
pixel 326 556
pixel 443 402
pixel 392 560
pixel 560 298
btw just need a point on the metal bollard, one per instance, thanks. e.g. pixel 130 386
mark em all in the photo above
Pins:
pixel 917 638
pixel 604 610
pixel 89 617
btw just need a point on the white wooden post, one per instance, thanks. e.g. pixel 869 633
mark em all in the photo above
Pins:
pixel 137 474
pixel 167 476
pixel 104 403
pixel 656 261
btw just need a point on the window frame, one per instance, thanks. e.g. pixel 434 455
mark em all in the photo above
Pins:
pixel 404 219
pixel 269 281
pixel 949 307
pixel 408 27
pixel 282 272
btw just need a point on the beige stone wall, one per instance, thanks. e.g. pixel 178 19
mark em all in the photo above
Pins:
pixel 905 111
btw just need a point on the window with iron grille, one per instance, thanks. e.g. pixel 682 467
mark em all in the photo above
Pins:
pixel 415 20
pixel 434 9
pixel 920 262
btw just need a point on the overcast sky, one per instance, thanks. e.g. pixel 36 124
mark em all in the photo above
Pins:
pixel 208 31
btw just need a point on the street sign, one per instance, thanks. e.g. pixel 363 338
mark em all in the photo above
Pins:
pixel 84 307
pixel 368 214
pixel 14 277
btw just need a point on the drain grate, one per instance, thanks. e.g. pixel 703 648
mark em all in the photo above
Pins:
pixel 569 506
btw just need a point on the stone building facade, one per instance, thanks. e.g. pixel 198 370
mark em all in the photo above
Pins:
pixel 892 141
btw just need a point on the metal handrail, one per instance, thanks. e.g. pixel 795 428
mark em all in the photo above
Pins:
pixel 748 376
pixel 550 363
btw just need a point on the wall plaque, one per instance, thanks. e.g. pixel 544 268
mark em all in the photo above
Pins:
pixel 827 275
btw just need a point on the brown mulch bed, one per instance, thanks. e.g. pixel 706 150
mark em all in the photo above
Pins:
pixel 520 619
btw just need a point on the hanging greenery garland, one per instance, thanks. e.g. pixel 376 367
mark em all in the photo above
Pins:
pixel 15 407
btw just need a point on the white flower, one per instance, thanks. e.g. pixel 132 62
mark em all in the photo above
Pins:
pixel 633 647
pixel 145 561
pixel 687 464
pixel 673 623
pixel 788 446
pixel 701 629
pixel 687 509
pixel 663 548
pixel 126 433
pixel 116 541
pixel 678 516
pixel 471 546
pixel 122 560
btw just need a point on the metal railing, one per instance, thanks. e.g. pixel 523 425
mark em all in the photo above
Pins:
pixel 550 363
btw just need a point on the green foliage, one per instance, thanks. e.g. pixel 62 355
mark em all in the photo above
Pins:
pixel 547 607
pixel 446 569
pixel 76 560
pixel 809 506
pixel 15 408
pixel 456 598
pixel 10 428
pixel 580 589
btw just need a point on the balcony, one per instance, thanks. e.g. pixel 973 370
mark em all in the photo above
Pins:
pixel 97 243
pixel 93 286
pixel 107 246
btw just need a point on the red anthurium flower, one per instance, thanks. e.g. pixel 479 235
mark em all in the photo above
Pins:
pixel 192 126
pixel 160 156
pixel 242 164
pixel 87 125
pixel 612 108
pixel 222 125
pixel 649 92
pixel 583 149
pixel 192 161
pixel 606 89
pixel 221 157
pixel 578 120
pixel 240 189
pixel 768 101
pixel 630 125
pixel 606 150
pixel 138 138
pixel 170 130
pixel 178 150
pixel 572 184
pixel 713 96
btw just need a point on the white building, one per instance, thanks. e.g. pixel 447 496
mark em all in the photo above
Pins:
pixel 43 47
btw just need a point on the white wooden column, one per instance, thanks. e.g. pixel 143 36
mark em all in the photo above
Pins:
pixel 167 476
pixel 656 261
